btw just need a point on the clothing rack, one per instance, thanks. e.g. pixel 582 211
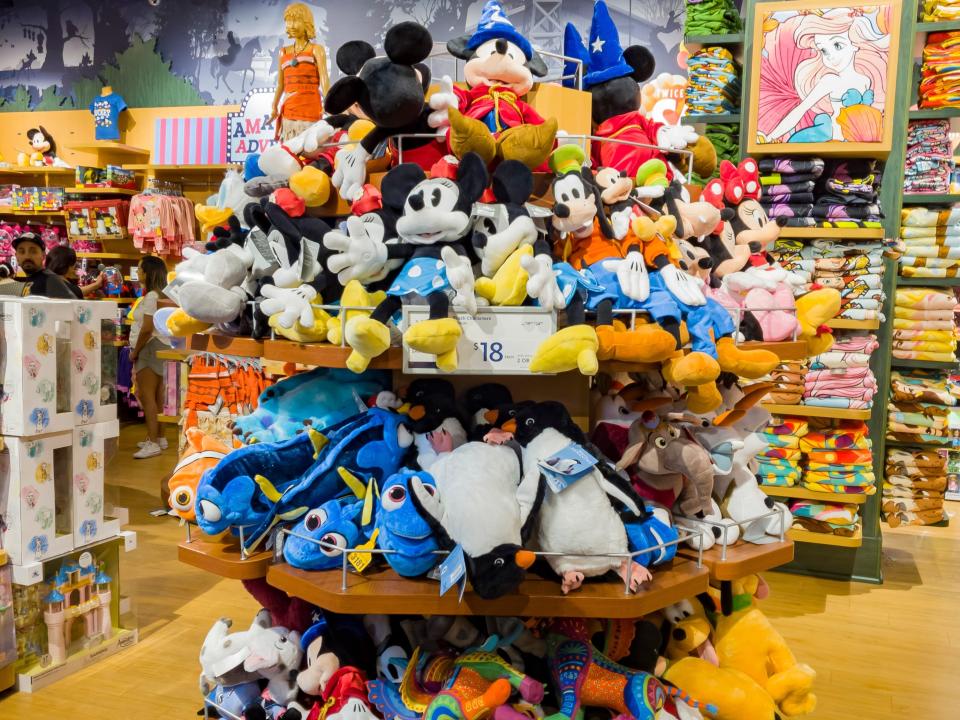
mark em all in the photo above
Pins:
pixel 156 186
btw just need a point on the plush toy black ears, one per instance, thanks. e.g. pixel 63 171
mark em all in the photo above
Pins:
pixel 512 183
pixel 472 178
pixel 255 216
pixel 642 62
pixel 408 43
pixel 345 92
pixel 398 183
pixel 536 65
pixel 352 55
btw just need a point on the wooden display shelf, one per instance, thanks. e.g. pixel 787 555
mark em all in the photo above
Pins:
pixel 920 444
pixel 222 557
pixel 383 591
pixel 938 26
pixel 226 345
pixel 118 300
pixel 111 147
pixel 31 213
pixel 172 354
pixel 928 282
pixel 100 191
pixel 832 232
pixel 110 255
pixel 930 198
pixel 726 39
pixel 169 419
pixel 844 324
pixel 805 536
pixel 796 493
pixel 742 559
pixel 814 411
pixel 712 119
pixel 934 113
pixel 924 364
pixel 17 170
pixel 326 355
pixel 218 167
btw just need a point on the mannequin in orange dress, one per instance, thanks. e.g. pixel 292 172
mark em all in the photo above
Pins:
pixel 303 79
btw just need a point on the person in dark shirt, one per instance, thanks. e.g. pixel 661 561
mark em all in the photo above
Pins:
pixel 62 261
pixel 30 259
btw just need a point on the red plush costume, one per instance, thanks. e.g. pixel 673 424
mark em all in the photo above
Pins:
pixel 345 684
pixel 630 127
pixel 498 107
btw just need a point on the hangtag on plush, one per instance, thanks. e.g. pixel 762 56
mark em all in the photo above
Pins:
pixel 566 466
pixel 361 560
pixel 453 569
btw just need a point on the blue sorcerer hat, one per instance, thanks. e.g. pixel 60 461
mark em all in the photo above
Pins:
pixel 603 54
pixel 318 628
pixel 494 24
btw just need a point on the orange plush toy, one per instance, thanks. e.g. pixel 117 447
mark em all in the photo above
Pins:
pixel 201 453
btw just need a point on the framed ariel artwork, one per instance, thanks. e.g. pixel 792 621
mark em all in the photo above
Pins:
pixel 823 77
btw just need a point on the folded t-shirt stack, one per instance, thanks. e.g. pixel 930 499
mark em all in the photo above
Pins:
pixel 712 17
pixel 838 457
pixel 853 268
pixel 847 194
pixel 923 324
pixel 921 403
pixel 939 76
pixel 825 518
pixel 933 10
pixel 726 141
pixel 788 379
pixel 914 487
pixel 713 82
pixel 841 377
pixel 787 185
pixel 779 464
pixel 930 242
pixel 929 157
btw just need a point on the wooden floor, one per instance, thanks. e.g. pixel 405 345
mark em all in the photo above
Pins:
pixel 891 651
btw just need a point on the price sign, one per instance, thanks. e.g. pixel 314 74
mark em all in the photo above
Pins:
pixel 495 341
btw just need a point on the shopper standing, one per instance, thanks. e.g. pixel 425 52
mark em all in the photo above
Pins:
pixel 31 254
pixel 147 367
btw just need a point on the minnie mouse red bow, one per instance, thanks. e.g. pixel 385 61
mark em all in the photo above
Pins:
pixel 735 184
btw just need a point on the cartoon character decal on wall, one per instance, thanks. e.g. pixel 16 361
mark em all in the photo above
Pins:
pixel 30 495
pixel 38 545
pixel 89 340
pixel 94 461
pixel 94 502
pixel 40 417
pixel 79 360
pixel 85 410
pixel 82 482
pixel 32 366
pixel 44 518
pixel 824 74
pixel 45 343
pixel 92 383
pixel 46 391
pixel 37 317
pixel 33 448
pixel 88 529
pixel 86 438
pixel 43 473
pixel 83 315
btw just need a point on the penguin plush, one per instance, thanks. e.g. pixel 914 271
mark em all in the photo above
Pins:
pixel 437 428
pixel 479 402
pixel 483 506
pixel 581 519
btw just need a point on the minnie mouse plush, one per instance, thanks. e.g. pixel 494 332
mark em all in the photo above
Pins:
pixel 432 232
pixel 491 118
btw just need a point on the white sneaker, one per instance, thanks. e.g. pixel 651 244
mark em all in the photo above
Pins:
pixel 162 443
pixel 150 449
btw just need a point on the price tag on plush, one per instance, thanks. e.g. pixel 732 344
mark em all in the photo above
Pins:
pixel 453 570
pixel 495 341
pixel 566 466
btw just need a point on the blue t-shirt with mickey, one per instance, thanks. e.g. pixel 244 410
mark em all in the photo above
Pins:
pixel 106 111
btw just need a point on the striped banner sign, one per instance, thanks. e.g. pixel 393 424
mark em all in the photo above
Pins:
pixel 190 141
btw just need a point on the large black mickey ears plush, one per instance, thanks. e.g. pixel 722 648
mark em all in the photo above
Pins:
pixel 512 183
pixel 472 178
pixel 398 183
pixel 345 92
pixel 352 55
pixel 408 43
pixel 642 62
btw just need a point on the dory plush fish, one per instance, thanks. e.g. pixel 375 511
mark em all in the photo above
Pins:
pixel 400 527
pixel 201 453
pixel 336 523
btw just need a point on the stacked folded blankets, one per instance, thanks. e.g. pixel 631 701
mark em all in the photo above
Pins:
pixel 930 243
pixel 933 10
pixel 929 157
pixel 713 82
pixel 838 457
pixel 914 487
pixel 939 74
pixel 923 325
pixel 788 380
pixel 787 185
pixel 712 17
pixel 921 405
pixel 841 377
pixel 847 194
pixel 853 268
pixel 779 464
pixel 825 518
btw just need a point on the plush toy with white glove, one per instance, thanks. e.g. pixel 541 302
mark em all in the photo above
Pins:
pixel 432 232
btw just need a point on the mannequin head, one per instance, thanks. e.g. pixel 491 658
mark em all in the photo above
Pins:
pixel 298 20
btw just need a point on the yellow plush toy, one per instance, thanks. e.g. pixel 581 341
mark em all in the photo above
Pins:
pixel 748 642
pixel 354 295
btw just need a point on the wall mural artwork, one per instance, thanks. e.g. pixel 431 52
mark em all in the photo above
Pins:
pixel 56 54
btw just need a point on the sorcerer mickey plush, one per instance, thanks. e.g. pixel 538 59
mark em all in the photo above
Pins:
pixel 491 118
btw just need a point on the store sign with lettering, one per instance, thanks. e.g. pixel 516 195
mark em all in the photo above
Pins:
pixel 251 131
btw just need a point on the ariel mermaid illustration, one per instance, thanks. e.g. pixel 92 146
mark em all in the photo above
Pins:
pixel 823 75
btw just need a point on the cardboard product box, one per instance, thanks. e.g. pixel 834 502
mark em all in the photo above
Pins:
pixel 106 223
pixel 116 177
pixel 26 198
pixel 33 474
pixel 93 445
pixel 93 367
pixel 35 367
pixel 89 176
pixel 50 199
pixel 79 225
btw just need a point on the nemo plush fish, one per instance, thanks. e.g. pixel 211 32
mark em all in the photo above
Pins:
pixel 201 453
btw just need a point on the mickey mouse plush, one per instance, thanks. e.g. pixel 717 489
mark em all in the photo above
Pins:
pixel 611 76
pixel 490 118
pixel 390 91
pixel 44 150
pixel 432 230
